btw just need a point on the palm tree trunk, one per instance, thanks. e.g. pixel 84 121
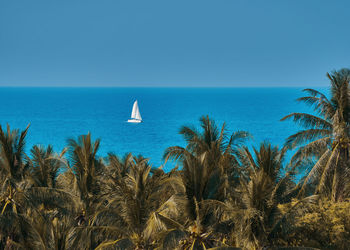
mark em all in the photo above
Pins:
pixel 339 171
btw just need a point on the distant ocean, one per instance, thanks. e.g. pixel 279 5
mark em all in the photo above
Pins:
pixel 56 114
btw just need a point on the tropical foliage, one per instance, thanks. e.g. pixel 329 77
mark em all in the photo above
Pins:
pixel 222 194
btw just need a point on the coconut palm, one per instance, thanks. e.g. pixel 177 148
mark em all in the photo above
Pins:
pixel 13 168
pixel 208 164
pixel 45 165
pixel 85 171
pixel 57 207
pixel 19 200
pixel 185 233
pixel 208 161
pixel 23 198
pixel 135 201
pixel 265 184
pixel 82 180
pixel 326 137
pixel 13 203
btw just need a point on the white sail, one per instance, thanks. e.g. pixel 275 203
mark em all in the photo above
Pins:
pixel 134 108
pixel 135 113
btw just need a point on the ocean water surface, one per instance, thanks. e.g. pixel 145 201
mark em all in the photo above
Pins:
pixel 56 114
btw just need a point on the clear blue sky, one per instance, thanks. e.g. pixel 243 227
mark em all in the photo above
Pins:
pixel 172 43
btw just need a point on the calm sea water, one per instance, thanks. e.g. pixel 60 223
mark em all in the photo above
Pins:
pixel 56 114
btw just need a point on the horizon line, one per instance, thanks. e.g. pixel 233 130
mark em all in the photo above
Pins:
pixel 140 86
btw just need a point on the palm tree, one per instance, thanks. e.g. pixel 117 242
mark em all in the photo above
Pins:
pixel 13 202
pixel 22 199
pixel 208 164
pixel 263 187
pixel 208 161
pixel 86 168
pixel 326 137
pixel 19 200
pixel 13 169
pixel 45 165
pixel 82 179
pixel 135 201
pixel 58 208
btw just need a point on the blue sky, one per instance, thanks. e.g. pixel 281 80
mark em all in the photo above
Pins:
pixel 172 43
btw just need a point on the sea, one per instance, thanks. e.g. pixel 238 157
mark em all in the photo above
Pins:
pixel 57 114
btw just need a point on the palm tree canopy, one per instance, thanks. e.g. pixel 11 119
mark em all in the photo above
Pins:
pixel 326 136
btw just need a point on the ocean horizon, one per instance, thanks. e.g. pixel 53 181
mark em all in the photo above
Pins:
pixel 57 114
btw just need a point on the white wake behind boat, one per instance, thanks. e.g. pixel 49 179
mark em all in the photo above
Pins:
pixel 135 114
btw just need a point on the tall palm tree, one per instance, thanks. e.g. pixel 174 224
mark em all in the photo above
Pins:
pixel 13 169
pixel 135 201
pixel 19 200
pixel 208 164
pixel 13 202
pixel 265 183
pixel 22 202
pixel 326 137
pixel 86 168
pixel 208 161
pixel 83 182
pixel 58 208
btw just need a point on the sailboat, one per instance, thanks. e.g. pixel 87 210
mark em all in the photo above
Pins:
pixel 135 114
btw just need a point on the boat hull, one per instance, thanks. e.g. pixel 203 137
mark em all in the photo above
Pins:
pixel 134 121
